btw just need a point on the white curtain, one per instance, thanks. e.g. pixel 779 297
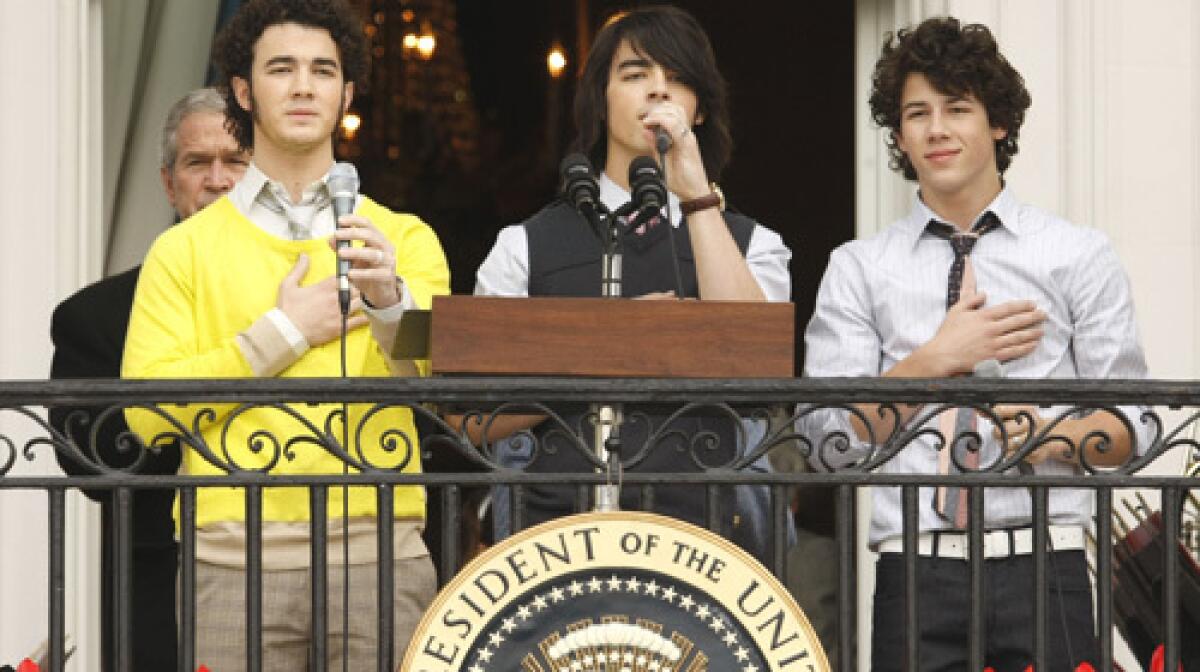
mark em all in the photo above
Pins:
pixel 154 52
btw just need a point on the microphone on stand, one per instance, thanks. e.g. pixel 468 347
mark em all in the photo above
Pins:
pixel 343 190
pixel 578 184
pixel 649 192
pixel 646 185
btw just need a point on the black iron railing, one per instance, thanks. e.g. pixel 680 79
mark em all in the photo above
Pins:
pixel 1164 422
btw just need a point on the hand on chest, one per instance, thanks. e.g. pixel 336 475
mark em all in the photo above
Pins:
pixel 911 296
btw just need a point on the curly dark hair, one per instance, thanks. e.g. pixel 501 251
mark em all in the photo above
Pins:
pixel 958 60
pixel 674 39
pixel 233 50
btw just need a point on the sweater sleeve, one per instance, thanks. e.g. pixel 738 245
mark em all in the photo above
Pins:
pixel 421 264
pixel 164 340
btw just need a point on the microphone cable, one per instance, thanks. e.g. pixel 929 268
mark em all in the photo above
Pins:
pixel 990 368
pixel 1026 469
pixel 662 164
pixel 345 502
pixel 343 185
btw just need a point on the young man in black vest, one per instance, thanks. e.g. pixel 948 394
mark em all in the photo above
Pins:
pixel 649 70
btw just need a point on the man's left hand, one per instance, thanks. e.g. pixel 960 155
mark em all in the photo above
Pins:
pixel 373 264
pixel 1021 422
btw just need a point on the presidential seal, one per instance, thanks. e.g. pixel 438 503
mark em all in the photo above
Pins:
pixel 615 592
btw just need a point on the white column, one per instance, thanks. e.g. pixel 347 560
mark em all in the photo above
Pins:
pixel 49 245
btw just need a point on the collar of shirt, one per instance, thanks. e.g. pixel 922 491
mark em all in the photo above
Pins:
pixel 613 197
pixel 245 195
pixel 1005 206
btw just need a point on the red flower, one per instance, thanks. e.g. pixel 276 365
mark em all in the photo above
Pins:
pixel 202 668
pixel 27 665
pixel 1156 663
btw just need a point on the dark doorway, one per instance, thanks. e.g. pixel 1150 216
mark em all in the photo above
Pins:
pixel 470 137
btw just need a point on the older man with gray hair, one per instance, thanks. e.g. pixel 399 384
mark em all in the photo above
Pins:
pixel 200 162
pixel 200 159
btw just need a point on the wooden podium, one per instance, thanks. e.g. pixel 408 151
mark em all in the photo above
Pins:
pixel 604 337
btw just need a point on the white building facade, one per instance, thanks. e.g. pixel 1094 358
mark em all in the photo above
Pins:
pixel 1112 141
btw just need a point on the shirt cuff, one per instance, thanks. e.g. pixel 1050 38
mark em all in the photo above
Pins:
pixel 385 324
pixel 394 312
pixel 289 331
pixel 272 344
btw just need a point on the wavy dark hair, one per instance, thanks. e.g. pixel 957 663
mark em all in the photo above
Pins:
pixel 674 39
pixel 958 60
pixel 233 50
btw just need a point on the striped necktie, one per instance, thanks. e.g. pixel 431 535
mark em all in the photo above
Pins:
pixel 299 217
pixel 951 501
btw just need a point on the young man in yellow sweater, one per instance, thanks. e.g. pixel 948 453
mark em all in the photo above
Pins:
pixel 246 288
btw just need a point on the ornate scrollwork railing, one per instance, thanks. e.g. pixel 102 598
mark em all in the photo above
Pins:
pixel 754 419
pixel 657 405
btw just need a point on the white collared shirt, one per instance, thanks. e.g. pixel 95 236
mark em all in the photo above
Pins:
pixel 883 297
pixel 505 271
pixel 315 212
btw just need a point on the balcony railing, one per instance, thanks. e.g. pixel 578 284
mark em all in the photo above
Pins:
pixel 1166 423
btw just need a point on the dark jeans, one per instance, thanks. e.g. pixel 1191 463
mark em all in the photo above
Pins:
pixel 943 607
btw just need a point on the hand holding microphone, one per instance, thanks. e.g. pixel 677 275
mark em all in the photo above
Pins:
pixel 668 123
pixel 371 267
pixel 678 149
pixel 343 189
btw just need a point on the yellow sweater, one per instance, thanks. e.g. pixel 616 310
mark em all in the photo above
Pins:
pixel 209 278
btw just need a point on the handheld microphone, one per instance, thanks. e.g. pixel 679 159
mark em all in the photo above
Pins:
pixel 662 141
pixel 578 184
pixel 343 189
pixel 990 368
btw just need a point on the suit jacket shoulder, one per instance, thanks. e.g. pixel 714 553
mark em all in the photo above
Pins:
pixel 88 328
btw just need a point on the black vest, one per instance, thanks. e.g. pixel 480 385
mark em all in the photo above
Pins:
pixel 565 260
pixel 564 255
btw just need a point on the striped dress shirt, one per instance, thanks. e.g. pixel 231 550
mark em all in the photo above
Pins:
pixel 883 297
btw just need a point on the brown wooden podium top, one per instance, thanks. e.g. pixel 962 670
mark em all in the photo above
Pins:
pixel 612 337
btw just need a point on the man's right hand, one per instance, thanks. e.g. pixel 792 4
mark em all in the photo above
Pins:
pixel 314 308
pixel 972 333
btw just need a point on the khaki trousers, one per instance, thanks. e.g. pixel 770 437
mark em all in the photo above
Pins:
pixel 287 622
